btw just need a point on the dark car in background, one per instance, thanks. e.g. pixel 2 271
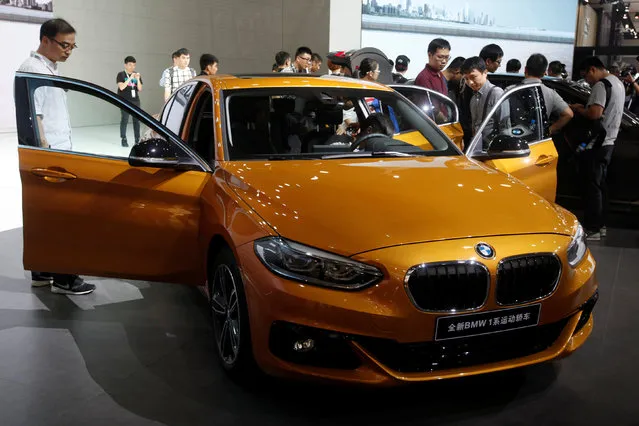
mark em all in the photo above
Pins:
pixel 623 173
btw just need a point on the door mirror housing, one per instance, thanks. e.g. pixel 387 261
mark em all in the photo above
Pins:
pixel 157 153
pixel 505 146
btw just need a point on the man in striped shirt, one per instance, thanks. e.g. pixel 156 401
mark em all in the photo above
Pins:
pixel 178 74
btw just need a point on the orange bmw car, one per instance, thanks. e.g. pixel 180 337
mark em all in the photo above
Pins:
pixel 338 232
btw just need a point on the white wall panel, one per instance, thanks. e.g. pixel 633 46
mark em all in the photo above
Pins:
pixel 23 39
pixel 346 25
pixel 243 34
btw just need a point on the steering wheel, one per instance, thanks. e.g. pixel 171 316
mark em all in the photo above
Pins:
pixel 363 139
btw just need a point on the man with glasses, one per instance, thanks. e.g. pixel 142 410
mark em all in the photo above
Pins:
pixel 57 41
pixel 492 55
pixel 302 63
pixel 431 76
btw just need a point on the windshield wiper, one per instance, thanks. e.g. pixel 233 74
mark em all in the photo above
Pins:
pixel 391 154
pixel 286 157
pixel 368 154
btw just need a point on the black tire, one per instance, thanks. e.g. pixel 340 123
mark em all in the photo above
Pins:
pixel 234 354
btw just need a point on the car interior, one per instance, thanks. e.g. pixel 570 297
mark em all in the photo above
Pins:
pixel 201 135
pixel 313 124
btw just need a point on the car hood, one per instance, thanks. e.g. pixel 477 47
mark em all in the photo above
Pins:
pixel 350 206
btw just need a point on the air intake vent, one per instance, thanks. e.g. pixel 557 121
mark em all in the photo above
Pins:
pixel 449 286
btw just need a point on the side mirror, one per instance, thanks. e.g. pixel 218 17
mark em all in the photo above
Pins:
pixel 154 153
pixel 505 146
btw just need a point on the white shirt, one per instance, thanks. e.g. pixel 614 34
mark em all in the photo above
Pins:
pixel 350 115
pixel 50 103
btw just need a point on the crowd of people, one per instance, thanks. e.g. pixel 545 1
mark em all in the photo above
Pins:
pixel 593 127
pixel 464 80
pixel 130 82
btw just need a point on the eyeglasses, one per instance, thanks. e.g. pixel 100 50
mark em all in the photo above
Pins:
pixel 307 58
pixel 64 45
pixel 442 57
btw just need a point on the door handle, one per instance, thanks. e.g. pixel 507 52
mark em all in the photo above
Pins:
pixel 54 176
pixel 544 160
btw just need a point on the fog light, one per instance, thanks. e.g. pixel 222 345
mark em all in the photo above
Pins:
pixel 312 346
pixel 304 345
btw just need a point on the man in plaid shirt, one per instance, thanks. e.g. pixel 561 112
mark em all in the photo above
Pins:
pixel 178 74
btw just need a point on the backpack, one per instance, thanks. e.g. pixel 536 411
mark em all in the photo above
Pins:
pixel 581 130
pixel 193 74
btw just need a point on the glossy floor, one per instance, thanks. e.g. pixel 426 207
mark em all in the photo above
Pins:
pixel 135 353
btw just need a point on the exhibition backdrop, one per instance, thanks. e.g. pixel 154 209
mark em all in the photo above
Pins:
pixel 521 28
pixel 34 11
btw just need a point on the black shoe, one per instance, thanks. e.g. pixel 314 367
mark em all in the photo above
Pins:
pixel 124 143
pixel 41 279
pixel 71 284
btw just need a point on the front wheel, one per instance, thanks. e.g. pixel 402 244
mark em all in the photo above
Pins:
pixel 229 315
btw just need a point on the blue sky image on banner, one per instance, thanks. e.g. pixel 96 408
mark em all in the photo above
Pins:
pixel 29 11
pixel 520 27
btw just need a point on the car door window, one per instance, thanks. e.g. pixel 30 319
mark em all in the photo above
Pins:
pixel 201 128
pixel 166 110
pixel 71 120
pixel 179 103
pixel 516 115
pixel 61 115
pixel 438 107
pixel 443 109
pixel 417 96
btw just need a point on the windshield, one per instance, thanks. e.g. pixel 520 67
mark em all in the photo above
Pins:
pixel 324 122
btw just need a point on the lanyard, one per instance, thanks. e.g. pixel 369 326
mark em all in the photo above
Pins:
pixel 131 84
pixel 46 64
pixel 128 76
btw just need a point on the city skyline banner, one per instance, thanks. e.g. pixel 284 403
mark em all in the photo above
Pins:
pixel 520 28
pixel 28 11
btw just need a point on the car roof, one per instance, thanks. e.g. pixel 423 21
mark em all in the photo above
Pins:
pixel 274 80
pixel 552 82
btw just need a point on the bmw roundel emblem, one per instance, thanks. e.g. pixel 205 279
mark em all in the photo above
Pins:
pixel 485 250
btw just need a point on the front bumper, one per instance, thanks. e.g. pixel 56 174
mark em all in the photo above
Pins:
pixel 378 336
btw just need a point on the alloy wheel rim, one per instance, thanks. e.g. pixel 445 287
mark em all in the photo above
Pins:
pixel 226 314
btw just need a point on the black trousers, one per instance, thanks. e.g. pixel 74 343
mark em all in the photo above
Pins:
pixel 124 121
pixel 593 170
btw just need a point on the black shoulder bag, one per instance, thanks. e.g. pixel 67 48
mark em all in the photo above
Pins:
pixel 583 130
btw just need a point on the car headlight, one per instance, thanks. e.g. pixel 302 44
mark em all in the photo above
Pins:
pixel 577 248
pixel 312 266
